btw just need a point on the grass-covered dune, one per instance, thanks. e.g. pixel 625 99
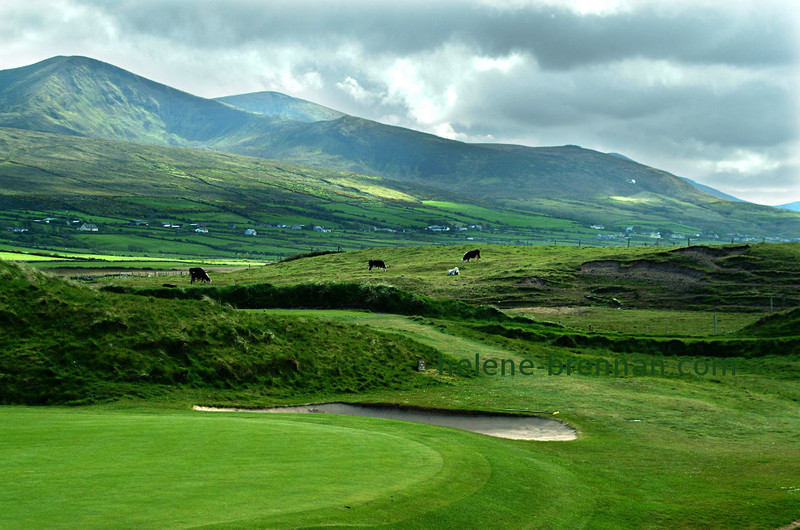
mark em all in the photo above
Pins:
pixel 66 343
pixel 778 325
pixel 373 297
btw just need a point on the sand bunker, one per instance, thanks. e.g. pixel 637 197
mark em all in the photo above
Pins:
pixel 515 427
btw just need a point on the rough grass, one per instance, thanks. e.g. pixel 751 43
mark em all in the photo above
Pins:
pixel 62 343
pixel 374 297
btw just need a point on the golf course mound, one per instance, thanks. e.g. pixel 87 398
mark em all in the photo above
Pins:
pixel 500 425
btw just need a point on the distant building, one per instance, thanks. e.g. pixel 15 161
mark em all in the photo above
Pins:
pixel 438 228
pixel 17 229
pixel 88 227
pixel 321 229
pixel 250 232
pixel 297 227
pixel 201 230
pixel 139 222
pixel 598 227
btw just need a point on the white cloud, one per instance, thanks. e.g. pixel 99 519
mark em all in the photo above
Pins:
pixel 355 90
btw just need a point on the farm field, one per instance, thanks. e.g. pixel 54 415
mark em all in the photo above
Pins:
pixel 697 431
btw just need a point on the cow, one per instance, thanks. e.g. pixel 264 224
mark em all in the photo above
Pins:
pixel 378 264
pixel 471 254
pixel 198 273
pixel 453 272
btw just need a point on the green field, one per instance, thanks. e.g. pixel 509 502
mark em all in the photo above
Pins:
pixel 691 449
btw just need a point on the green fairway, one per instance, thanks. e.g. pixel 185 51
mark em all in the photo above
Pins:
pixel 94 469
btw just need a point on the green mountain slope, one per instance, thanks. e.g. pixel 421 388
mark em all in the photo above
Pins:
pixel 581 184
pixel 85 97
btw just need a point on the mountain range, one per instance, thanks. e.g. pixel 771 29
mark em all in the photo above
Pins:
pixel 83 97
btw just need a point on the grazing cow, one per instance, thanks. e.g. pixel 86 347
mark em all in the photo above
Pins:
pixel 453 272
pixel 471 254
pixel 377 263
pixel 198 273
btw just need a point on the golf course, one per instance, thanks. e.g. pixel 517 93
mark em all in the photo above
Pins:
pixel 676 370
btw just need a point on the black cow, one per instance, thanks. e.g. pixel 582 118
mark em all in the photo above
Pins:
pixel 198 273
pixel 471 254
pixel 377 263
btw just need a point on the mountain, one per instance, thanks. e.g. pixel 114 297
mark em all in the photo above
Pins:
pixel 794 206
pixel 712 191
pixel 277 104
pixel 84 97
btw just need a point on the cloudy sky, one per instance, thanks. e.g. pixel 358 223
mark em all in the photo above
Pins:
pixel 706 89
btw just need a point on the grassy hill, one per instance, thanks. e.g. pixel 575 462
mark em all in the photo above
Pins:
pixel 80 96
pixel 63 343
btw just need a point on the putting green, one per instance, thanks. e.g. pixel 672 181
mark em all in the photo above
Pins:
pixel 84 468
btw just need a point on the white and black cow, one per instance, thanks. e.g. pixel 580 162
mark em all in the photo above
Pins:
pixel 198 273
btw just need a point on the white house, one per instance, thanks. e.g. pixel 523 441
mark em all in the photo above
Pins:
pixel 201 230
pixel 87 227
pixel 250 232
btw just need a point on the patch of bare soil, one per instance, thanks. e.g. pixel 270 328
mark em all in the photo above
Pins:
pixel 533 281
pixel 515 427
pixel 674 276
pixel 708 255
